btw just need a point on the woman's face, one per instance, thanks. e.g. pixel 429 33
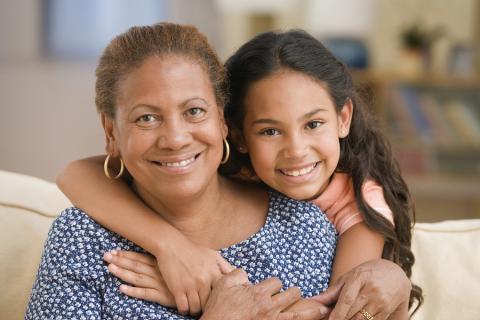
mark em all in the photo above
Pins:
pixel 168 128
pixel 291 131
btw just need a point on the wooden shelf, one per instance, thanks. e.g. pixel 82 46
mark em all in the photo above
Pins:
pixel 442 172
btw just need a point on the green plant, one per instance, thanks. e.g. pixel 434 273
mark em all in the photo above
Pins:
pixel 417 37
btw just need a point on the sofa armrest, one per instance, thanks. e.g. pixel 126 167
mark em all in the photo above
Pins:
pixel 28 206
pixel 447 267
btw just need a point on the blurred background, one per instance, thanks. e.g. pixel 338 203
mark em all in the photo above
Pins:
pixel 416 61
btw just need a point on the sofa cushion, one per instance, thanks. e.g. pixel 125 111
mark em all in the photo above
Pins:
pixel 447 267
pixel 28 206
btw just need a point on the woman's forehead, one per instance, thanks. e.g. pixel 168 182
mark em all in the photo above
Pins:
pixel 170 77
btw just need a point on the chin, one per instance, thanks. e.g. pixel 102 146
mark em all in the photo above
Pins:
pixel 300 195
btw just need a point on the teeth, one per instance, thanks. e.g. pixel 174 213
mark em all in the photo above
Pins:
pixel 296 173
pixel 182 163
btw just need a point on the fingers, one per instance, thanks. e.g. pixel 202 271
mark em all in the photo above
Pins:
pixel 347 298
pixel 235 278
pixel 204 293
pixel 136 256
pixel 284 299
pixel 330 296
pixel 136 279
pixel 361 303
pixel 271 285
pixel 224 266
pixel 164 298
pixel 194 304
pixel 319 313
pixel 181 302
pixel 137 263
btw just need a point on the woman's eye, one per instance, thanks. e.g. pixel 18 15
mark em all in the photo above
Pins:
pixel 195 112
pixel 147 118
pixel 269 132
pixel 314 124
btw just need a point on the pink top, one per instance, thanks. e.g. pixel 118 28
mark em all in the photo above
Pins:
pixel 338 202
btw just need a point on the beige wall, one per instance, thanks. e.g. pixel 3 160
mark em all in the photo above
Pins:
pixel 47 113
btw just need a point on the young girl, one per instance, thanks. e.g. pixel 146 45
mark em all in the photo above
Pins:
pixel 299 126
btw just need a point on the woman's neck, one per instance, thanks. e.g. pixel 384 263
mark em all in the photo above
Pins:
pixel 220 215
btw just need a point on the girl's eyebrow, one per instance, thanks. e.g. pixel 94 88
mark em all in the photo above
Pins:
pixel 312 113
pixel 305 116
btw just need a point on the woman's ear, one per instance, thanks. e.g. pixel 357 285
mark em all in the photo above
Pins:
pixel 108 128
pixel 223 123
pixel 345 119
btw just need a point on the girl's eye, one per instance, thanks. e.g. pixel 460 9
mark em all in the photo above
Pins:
pixel 314 124
pixel 269 132
pixel 195 112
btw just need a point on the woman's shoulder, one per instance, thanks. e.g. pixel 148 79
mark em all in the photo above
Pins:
pixel 74 227
pixel 73 219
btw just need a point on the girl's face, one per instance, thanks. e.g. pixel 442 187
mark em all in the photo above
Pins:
pixel 292 131
pixel 168 128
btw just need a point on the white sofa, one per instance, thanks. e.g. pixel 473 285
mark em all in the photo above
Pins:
pixel 447 253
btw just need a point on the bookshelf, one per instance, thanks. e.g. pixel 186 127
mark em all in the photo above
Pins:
pixel 433 124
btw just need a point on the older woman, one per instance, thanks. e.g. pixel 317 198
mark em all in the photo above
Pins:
pixel 160 95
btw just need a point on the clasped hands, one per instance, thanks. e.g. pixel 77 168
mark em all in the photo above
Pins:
pixel 232 296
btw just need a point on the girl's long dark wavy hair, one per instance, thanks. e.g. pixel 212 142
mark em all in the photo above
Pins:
pixel 364 153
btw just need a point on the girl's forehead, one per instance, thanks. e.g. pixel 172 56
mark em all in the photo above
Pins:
pixel 287 88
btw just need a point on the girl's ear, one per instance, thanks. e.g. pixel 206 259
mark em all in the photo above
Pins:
pixel 238 140
pixel 108 128
pixel 345 119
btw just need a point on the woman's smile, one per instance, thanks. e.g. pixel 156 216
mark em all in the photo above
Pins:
pixel 182 164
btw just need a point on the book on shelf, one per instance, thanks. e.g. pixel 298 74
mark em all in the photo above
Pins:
pixel 464 121
pixel 434 119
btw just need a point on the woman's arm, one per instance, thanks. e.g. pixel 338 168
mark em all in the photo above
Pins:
pixel 66 285
pixel 355 246
pixel 189 270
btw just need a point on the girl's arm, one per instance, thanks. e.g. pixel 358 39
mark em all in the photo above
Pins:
pixel 355 246
pixel 188 269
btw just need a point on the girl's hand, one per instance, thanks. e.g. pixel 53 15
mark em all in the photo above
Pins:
pixel 189 271
pixel 150 284
pixel 141 271
pixel 379 287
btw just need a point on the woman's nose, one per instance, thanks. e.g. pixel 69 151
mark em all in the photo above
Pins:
pixel 174 135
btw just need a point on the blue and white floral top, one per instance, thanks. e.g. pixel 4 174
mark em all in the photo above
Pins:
pixel 296 244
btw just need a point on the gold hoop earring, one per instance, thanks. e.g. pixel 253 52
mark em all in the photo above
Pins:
pixel 227 152
pixel 105 168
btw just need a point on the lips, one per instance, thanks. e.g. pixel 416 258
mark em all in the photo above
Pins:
pixel 299 172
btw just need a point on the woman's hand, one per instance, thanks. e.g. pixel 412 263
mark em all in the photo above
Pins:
pixel 233 297
pixel 378 287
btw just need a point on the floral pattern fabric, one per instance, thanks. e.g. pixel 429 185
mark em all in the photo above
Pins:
pixel 296 244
